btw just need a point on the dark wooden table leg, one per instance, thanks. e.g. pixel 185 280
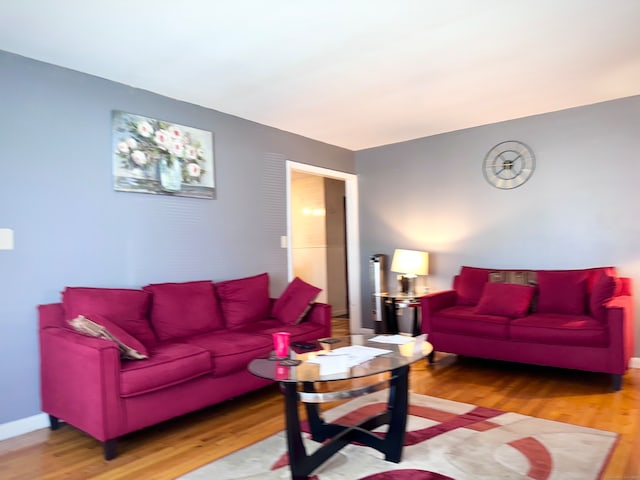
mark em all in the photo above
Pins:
pixel 416 327
pixel 398 406
pixel 337 436
pixel 392 324
pixel 320 430
pixel 297 452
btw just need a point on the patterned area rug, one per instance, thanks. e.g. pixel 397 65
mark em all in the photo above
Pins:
pixel 445 440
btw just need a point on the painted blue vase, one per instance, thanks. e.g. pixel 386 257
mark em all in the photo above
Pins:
pixel 170 174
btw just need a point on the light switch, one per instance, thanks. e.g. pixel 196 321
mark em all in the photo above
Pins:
pixel 6 239
pixel 283 241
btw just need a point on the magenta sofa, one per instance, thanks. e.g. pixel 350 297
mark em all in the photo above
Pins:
pixel 193 341
pixel 575 319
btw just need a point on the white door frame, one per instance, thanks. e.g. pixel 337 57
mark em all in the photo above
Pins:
pixel 353 235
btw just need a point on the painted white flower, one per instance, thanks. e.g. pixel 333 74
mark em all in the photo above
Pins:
pixel 162 138
pixel 139 158
pixel 123 147
pixel 190 152
pixel 193 169
pixel 175 133
pixel 132 143
pixel 144 129
pixel 177 149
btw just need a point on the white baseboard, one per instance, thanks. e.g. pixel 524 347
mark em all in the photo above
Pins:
pixel 23 425
pixel 36 422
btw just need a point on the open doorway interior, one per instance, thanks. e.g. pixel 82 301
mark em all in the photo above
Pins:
pixel 318 236
pixel 352 244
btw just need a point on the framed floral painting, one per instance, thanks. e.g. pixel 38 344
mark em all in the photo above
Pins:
pixel 154 156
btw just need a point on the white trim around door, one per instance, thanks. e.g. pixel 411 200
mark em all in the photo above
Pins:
pixel 353 235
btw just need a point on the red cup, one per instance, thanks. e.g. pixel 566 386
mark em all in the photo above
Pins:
pixel 281 344
pixel 282 372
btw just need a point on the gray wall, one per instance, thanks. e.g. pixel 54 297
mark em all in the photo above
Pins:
pixel 73 229
pixel 581 207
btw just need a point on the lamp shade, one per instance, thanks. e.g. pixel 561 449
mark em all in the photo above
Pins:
pixel 410 262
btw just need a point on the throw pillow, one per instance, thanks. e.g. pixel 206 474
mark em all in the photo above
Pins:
pixel 184 309
pixel 127 308
pixel 505 299
pixel 594 275
pixel 519 277
pixel 471 282
pixel 604 289
pixel 295 302
pixel 244 300
pixel 130 348
pixel 562 291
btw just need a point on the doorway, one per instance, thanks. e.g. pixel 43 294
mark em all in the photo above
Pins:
pixel 322 236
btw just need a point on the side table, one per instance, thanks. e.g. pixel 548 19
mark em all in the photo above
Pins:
pixel 392 304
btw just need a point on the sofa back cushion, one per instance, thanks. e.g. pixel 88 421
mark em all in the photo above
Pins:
pixel 562 292
pixel 505 299
pixel 184 309
pixel 127 308
pixel 294 303
pixel 244 300
pixel 470 284
pixel 605 287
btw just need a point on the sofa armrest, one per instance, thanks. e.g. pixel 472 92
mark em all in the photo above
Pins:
pixel 320 313
pixel 620 322
pixel 80 381
pixel 432 303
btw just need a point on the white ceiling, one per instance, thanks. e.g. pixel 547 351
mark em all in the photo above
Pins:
pixel 353 73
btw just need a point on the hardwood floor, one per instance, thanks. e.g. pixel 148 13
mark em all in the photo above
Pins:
pixel 175 447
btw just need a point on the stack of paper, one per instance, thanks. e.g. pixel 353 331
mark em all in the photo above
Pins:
pixel 408 346
pixel 342 359
pixel 392 339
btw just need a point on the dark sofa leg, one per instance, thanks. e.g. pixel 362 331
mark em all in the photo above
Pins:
pixel 617 382
pixel 431 358
pixel 109 449
pixel 54 423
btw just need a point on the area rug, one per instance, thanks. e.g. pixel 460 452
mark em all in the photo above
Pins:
pixel 445 440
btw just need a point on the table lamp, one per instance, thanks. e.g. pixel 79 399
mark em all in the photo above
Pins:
pixel 410 264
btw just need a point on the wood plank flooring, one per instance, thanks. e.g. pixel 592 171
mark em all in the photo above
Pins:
pixel 178 446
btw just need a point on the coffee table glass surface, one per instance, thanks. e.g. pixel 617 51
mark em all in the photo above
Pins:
pixel 315 366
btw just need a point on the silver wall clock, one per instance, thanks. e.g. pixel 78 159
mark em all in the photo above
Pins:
pixel 509 164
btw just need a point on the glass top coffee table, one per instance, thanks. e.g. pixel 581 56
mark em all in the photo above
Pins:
pixel 344 358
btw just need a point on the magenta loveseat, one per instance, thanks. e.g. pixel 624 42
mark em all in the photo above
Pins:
pixel 197 337
pixel 574 319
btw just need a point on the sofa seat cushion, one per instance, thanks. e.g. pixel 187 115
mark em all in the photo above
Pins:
pixel 559 329
pixel 465 321
pixel 301 331
pixel 231 351
pixel 167 365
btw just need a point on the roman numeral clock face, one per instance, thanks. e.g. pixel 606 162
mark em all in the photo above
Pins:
pixel 509 165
